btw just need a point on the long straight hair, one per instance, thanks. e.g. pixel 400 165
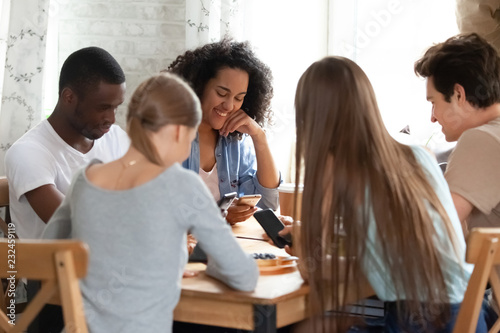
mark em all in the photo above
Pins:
pixel 160 100
pixel 354 168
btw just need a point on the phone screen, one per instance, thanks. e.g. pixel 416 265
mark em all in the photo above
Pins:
pixel 272 226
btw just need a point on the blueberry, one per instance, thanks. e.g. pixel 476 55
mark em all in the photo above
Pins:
pixel 264 256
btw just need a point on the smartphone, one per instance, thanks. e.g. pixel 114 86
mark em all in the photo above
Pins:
pixel 272 225
pixel 249 200
pixel 226 201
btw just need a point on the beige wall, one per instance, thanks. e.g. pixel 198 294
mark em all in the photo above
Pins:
pixel 144 36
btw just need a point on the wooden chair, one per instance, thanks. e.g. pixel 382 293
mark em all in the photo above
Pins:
pixel 4 203
pixel 58 265
pixel 4 227
pixel 483 250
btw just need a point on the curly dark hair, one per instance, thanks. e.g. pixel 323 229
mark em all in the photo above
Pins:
pixel 468 60
pixel 202 64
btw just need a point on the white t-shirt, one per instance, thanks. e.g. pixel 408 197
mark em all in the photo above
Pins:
pixel 211 179
pixel 41 157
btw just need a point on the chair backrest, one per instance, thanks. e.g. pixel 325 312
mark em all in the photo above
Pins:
pixel 58 264
pixel 4 203
pixel 483 250
pixel 4 192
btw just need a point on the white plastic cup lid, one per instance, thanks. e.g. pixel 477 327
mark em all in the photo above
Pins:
pixel 290 187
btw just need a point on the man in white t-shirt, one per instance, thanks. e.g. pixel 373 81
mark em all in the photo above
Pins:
pixel 40 165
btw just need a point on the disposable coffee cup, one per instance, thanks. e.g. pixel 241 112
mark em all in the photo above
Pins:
pixel 287 195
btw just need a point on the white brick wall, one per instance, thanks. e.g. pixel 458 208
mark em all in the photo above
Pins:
pixel 145 36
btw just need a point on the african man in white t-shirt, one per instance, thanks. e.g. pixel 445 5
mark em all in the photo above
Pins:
pixel 41 164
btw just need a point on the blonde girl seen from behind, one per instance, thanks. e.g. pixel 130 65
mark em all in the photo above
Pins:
pixel 162 120
pixel 135 214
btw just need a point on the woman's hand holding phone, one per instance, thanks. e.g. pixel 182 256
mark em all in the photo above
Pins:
pixel 242 208
pixel 288 230
pixel 286 220
pixel 239 213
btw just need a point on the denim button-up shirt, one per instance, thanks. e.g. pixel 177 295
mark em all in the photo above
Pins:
pixel 236 169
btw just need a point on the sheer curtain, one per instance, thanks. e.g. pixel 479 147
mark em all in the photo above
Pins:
pixel 210 20
pixel 23 27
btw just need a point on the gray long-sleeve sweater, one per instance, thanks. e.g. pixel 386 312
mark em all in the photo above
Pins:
pixel 137 241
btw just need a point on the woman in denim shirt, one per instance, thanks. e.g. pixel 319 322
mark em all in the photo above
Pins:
pixel 231 152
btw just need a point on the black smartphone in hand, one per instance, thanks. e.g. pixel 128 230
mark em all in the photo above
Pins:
pixel 272 226
pixel 226 201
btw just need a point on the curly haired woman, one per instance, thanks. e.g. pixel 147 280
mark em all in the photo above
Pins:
pixel 235 91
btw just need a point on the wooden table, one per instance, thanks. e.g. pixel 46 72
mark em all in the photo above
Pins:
pixel 277 301
pixel 250 229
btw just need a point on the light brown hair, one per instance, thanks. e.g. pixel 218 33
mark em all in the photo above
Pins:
pixel 162 99
pixel 354 168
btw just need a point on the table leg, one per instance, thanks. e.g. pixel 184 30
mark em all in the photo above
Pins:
pixel 265 318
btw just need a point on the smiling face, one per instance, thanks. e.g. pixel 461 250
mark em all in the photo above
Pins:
pixel 223 95
pixel 450 115
pixel 94 114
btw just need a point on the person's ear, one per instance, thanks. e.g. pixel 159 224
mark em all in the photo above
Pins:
pixel 178 133
pixel 68 96
pixel 459 93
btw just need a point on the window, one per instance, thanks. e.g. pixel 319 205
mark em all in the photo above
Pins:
pixel 288 36
pixel 384 37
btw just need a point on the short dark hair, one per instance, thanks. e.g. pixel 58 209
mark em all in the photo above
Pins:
pixel 468 60
pixel 87 67
pixel 202 64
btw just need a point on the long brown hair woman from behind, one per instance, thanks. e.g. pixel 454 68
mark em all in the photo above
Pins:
pixel 372 207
